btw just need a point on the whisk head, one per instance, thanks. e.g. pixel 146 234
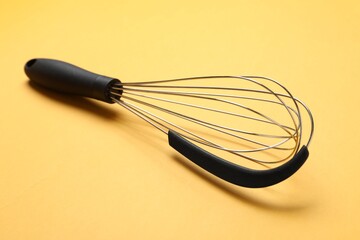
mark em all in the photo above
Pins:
pixel 253 117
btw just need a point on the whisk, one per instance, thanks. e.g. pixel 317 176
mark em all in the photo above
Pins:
pixel 206 118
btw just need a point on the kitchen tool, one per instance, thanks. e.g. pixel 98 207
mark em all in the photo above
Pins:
pixel 250 118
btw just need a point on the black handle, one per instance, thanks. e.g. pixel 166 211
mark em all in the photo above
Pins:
pixel 65 77
pixel 232 172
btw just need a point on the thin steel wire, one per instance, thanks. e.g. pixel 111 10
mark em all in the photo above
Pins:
pixel 139 94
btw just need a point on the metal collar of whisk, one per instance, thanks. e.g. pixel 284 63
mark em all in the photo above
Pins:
pixel 64 77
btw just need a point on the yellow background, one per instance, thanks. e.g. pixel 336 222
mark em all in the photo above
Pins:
pixel 79 169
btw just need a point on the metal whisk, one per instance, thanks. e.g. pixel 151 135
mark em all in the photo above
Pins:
pixel 255 118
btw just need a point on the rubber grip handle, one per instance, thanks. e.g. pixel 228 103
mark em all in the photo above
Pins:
pixel 64 77
pixel 234 173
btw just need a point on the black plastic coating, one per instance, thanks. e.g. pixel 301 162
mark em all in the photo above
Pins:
pixel 64 77
pixel 234 173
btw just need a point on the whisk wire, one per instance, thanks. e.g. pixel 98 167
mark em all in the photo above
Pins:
pixel 137 90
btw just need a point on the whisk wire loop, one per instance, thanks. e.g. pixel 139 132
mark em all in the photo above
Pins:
pixel 140 92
